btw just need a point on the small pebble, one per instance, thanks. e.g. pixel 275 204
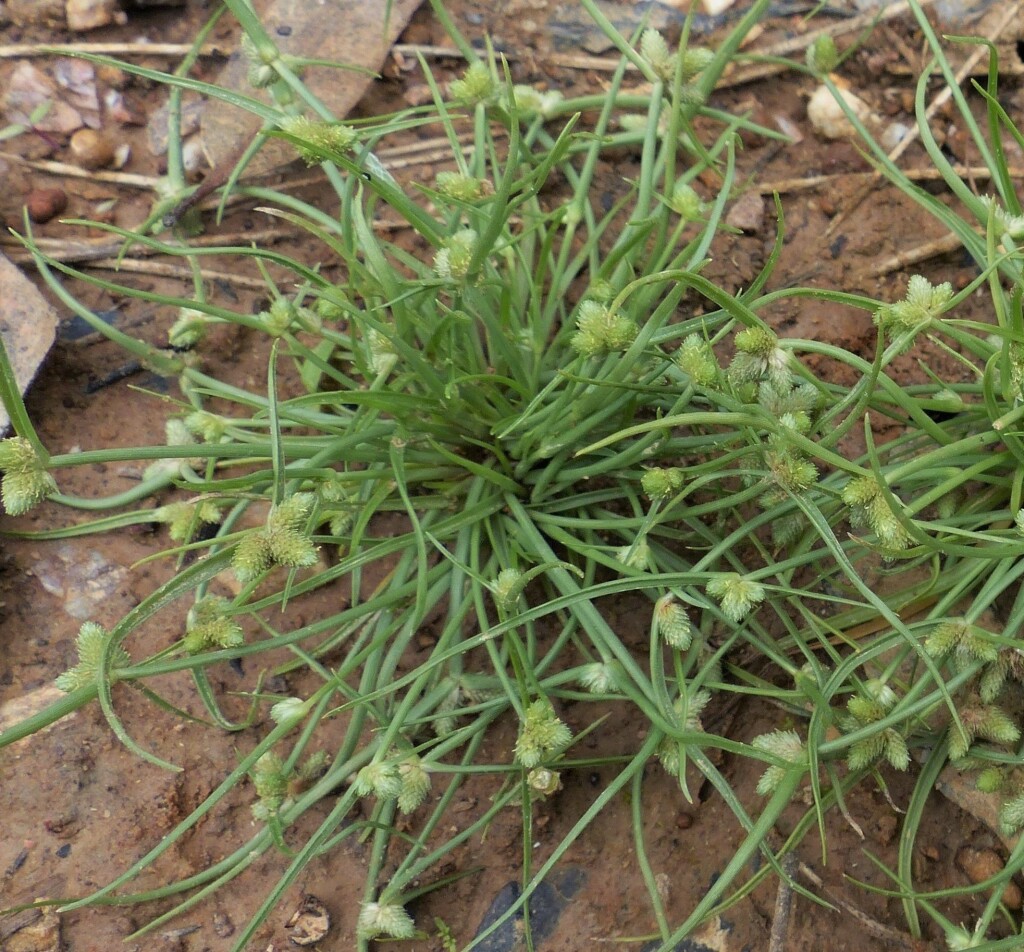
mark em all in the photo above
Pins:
pixel 309 923
pixel 112 76
pixel 684 821
pixel 747 213
pixel 827 116
pixel 193 159
pixel 979 865
pixel 121 155
pixel 45 203
pixel 894 134
pixel 222 925
pixel 49 13
pixel 91 149
pixel 91 14
pixel 418 94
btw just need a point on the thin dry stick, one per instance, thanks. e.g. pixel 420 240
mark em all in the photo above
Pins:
pixel 93 249
pixel 73 171
pixel 871 925
pixel 18 50
pixel 930 249
pixel 783 906
pixel 162 270
pixel 87 250
pixel 941 98
pixel 424 152
pixel 424 145
pixel 930 174
pixel 1008 66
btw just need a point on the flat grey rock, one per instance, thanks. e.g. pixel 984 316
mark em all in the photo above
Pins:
pixel 28 326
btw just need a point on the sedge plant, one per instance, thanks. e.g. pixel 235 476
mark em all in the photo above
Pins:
pixel 524 420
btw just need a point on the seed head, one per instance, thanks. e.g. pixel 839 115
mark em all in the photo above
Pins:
pixel 737 595
pixel 476 86
pixel 672 623
pixel 601 330
pixel 542 734
pixel 786 746
pixel 90 644
pixel 384 918
pixel 26 482
pixel 660 483
pixel 208 625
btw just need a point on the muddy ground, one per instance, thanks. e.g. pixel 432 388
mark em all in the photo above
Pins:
pixel 76 808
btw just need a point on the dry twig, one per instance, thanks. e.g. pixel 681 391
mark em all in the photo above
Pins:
pixel 783 905
pixel 159 269
pixel 870 925
pixel 93 249
pixel 931 174
pixel 940 99
pixel 917 254
pixel 24 50
pixel 128 179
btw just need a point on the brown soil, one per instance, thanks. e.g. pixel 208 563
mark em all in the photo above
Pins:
pixel 77 807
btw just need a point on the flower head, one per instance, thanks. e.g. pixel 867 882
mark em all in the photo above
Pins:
pixel 654 49
pixel 923 304
pixel 463 188
pixel 822 55
pixel 381 778
pixel 600 330
pixel 1005 223
pixel 542 734
pixel 543 782
pixel 477 85
pixel 635 556
pixel 697 360
pixel 384 918
pixel 271 784
pixel 26 482
pixel 530 101
pixel 786 746
pixel 90 644
pixel 415 784
pixel 506 589
pixel 661 483
pixel 737 595
pixel 597 677
pixel 188 329
pixel 208 426
pixel 966 642
pixel 208 625
pixel 318 137
pixel 453 260
pixel 283 540
pixel 672 623
pixel 685 202
pixel 759 357
pixel 289 710
pixel 869 506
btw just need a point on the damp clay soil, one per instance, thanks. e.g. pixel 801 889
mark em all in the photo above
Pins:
pixel 76 808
